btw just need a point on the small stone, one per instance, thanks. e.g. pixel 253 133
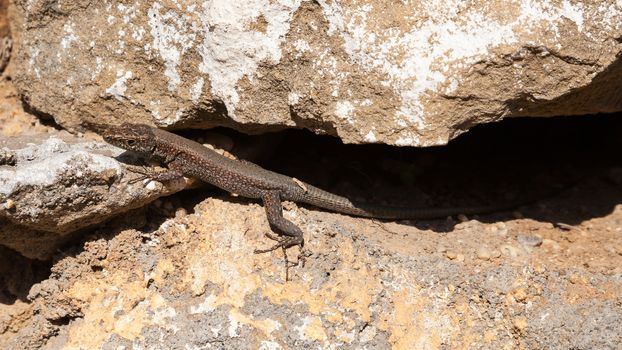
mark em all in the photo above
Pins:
pixel 462 218
pixel 180 212
pixel 500 228
pixel 564 226
pixel 509 250
pixel 529 240
pixel 484 253
pixel 520 294
pixel 9 204
pixel 454 256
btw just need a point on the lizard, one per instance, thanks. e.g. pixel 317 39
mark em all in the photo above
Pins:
pixel 184 157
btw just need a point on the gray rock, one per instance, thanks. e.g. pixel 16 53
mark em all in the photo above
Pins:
pixel 529 240
pixel 56 185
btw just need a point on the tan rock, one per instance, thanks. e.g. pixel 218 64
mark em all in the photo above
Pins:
pixel 413 73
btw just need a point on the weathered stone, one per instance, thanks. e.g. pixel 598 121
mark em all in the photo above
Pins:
pixel 55 185
pixel 529 240
pixel 404 73
pixel 194 282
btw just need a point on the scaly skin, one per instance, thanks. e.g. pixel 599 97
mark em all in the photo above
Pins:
pixel 184 157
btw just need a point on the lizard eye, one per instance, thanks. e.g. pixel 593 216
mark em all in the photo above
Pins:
pixel 131 142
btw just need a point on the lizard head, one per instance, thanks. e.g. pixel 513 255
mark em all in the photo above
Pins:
pixel 138 138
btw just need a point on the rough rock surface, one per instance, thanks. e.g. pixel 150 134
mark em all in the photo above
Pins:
pixel 53 185
pixel 404 73
pixel 194 282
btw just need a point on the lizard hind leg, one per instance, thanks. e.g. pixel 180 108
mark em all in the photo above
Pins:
pixel 289 235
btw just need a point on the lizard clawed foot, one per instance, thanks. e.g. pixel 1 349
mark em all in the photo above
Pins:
pixel 156 175
pixel 145 173
pixel 284 244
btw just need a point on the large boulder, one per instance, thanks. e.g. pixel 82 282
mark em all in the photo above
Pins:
pixel 405 73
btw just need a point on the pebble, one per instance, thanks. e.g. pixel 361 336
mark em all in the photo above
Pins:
pixel 488 254
pixel 9 204
pixel 520 294
pixel 529 240
pixel 180 212
pixel 509 250
pixel 484 253
pixel 454 256
pixel 500 228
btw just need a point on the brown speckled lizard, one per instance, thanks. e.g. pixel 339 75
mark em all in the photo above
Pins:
pixel 184 157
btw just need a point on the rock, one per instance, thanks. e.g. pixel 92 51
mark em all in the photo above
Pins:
pixel 484 253
pixel 207 289
pixel 510 251
pixel 529 240
pixel 452 255
pixel 499 228
pixel 520 294
pixel 413 73
pixel 462 218
pixel 56 185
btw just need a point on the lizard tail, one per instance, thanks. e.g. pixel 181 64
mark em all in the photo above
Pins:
pixel 323 199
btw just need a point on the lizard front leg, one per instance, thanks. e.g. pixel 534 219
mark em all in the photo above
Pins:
pixel 172 173
pixel 152 174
